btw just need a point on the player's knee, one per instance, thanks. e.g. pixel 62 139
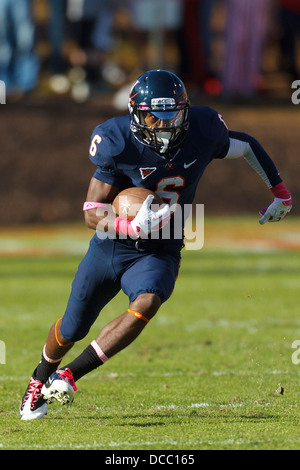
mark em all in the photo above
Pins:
pixel 72 332
pixel 146 304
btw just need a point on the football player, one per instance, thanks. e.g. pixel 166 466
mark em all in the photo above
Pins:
pixel 163 144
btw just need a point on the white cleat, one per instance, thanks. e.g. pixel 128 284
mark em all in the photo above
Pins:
pixel 60 387
pixel 33 405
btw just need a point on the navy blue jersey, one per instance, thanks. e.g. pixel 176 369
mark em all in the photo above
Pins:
pixel 124 162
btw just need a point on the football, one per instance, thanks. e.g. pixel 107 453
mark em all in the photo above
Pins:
pixel 129 201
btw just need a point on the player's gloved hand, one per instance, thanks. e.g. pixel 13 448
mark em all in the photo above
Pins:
pixel 146 220
pixel 279 208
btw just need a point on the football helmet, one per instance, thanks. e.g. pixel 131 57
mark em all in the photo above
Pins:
pixel 159 109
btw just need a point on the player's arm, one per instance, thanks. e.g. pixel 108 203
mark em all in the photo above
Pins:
pixel 97 209
pixel 107 144
pixel 98 213
pixel 243 145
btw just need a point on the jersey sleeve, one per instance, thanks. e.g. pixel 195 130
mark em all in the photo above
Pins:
pixel 244 145
pixel 217 133
pixel 106 144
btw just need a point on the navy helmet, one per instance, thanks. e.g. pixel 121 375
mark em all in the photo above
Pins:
pixel 160 98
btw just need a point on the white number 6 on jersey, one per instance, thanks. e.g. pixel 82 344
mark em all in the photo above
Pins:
pixel 171 196
pixel 93 148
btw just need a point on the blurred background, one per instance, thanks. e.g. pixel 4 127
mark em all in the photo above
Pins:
pixel 68 66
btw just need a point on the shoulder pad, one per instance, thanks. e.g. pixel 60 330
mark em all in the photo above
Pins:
pixel 108 141
pixel 208 122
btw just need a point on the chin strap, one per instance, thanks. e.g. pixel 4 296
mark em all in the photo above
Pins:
pixel 165 146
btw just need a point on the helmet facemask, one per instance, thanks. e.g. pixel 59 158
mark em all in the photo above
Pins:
pixel 161 130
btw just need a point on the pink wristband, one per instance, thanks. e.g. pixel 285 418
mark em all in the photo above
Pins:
pixel 281 192
pixel 124 226
pixel 92 205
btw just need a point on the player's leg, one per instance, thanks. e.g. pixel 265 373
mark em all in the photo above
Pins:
pixel 33 404
pixel 123 330
pixel 114 337
pixel 148 283
pixel 55 349
pixel 82 310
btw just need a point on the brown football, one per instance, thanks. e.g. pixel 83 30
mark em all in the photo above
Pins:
pixel 129 201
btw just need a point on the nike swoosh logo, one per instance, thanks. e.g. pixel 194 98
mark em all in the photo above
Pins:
pixel 187 165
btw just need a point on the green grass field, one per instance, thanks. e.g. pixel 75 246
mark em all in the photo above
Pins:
pixel 204 374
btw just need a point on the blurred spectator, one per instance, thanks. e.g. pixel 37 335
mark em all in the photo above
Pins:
pixel 205 13
pixel 91 26
pixel 56 34
pixel 194 41
pixel 19 66
pixel 289 15
pixel 246 29
pixel 82 36
pixel 155 25
pixel 81 33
